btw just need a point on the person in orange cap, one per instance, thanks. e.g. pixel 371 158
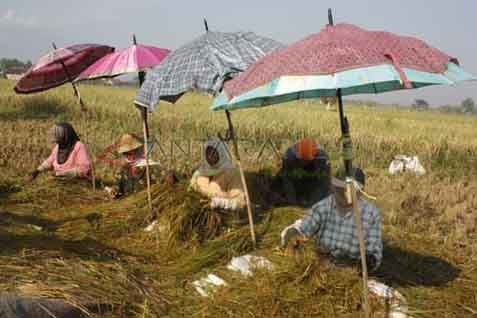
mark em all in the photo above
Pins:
pixel 304 177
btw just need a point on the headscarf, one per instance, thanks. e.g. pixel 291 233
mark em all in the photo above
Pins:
pixel 306 149
pixel 65 136
pixel 224 162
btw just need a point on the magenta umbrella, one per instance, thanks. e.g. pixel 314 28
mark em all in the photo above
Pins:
pixel 60 66
pixel 136 58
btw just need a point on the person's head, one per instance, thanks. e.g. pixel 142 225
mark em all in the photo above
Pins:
pixel 306 149
pixel 216 157
pixel 63 134
pixel 338 184
pixel 130 146
pixel 212 155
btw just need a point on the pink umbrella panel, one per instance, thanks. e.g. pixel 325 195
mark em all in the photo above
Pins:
pixel 133 59
pixel 49 71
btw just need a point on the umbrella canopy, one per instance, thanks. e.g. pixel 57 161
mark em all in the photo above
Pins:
pixel 60 66
pixel 203 64
pixel 133 59
pixel 343 57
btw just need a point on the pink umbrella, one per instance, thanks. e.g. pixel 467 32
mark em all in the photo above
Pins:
pixel 136 58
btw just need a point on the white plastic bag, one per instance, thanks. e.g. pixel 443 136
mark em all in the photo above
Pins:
pixel 207 284
pixel 395 302
pixel 402 163
pixel 247 263
pixel 396 166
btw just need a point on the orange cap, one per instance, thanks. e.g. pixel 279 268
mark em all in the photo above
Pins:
pixel 307 149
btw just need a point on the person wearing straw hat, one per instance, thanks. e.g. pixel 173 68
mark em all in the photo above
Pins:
pixel 69 157
pixel 131 175
pixel 218 179
pixel 304 176
pixel 331 223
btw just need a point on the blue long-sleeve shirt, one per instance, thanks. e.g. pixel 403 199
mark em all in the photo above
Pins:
pixel 337 234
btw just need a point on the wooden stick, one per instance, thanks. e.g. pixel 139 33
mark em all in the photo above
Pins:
pixel 350 186
pixel 146 155
pixel 143 112
pixel 242 177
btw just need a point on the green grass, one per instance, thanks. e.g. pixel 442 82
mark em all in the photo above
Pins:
pixel 67 241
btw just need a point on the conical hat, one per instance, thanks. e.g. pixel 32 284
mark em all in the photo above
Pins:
pixel 129 142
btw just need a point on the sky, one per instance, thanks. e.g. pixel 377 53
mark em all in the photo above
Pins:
pixel 28 27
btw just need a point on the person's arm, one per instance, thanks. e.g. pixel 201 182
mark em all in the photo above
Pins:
pixel 374 243
pixel 309 225
pixel 45 165
pixel 203 185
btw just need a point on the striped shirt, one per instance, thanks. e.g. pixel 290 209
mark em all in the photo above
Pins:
pixel 336 233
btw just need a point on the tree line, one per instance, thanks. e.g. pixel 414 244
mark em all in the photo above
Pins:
pixel 467 106
pixel 7 64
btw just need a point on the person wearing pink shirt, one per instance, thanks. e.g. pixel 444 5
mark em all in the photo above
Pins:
pixel 69 157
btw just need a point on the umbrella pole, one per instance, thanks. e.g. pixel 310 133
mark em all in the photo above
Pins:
pixel 75 89
pixel 146 155
pixel 145 128
pixel 351 196
pixel 242 177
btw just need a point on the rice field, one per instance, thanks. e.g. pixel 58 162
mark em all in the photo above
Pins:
pixel 68 241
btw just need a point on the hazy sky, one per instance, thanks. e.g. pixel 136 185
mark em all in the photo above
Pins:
pixel 27 27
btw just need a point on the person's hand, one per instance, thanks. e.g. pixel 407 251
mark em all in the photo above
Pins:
pixel 289 234
pixel 33 175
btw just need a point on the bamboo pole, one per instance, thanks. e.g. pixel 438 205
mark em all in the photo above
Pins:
pixel 145 126
pixel 351 196
pixel 242 177
pixel 146 155
pixel 350 186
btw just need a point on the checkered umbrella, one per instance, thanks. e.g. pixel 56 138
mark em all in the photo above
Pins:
pixel 203 65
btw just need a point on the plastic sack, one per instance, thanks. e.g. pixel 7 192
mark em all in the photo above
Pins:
pixel 207 284
pixel 396 304
pixel 402 163
pixel 247 263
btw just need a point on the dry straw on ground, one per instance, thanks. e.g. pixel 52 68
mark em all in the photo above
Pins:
pixel 68 242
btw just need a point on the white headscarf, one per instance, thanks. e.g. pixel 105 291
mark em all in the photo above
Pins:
pixel 224 162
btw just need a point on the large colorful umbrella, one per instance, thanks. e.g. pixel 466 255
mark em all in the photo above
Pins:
pixel 133 59
pixel 203 65
pixel 60 66
pixel 341 60
pixel 344 57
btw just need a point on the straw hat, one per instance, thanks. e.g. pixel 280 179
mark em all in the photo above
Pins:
pixel 129 142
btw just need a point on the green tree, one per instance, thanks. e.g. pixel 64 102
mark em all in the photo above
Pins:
pixel 468 106
pixel 6 64
pixel 420 104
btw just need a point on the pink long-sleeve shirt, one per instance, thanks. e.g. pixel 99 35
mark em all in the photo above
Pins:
pixel 78 160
